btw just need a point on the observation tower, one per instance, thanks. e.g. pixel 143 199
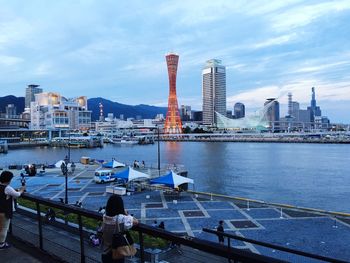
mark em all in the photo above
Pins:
pixel 173 121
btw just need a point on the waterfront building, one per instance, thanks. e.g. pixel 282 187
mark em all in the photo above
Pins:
pixel 160 117
pixel 198 115
pixel 11 111
pixel 111 125
pixel 186 113
pixel 31 90
pixel 52 111
pixel 314 109
pixel 239 110
pixel 272 112
pixel 229 114
pixel 304 115
pixel 213 91
pixel 295 110
pixel 173 121
pixel 322 122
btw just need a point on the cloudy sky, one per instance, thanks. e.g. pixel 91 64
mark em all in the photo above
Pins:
pixel 116 49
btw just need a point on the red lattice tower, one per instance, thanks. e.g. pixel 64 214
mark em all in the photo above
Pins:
pixel 173 121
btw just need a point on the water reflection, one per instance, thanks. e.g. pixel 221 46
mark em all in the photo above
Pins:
pixel 312 175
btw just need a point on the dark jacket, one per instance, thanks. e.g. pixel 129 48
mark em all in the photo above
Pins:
pixel 5 204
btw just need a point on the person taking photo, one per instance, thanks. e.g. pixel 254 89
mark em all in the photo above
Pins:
pixel 7 193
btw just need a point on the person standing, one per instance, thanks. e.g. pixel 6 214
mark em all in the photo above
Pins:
pixel 7 193
pixel 115 214
pixel 220 228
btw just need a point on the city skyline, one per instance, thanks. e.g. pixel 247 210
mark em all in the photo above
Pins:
pixel 104 50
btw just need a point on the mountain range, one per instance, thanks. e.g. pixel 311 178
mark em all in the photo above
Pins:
pixel 129 111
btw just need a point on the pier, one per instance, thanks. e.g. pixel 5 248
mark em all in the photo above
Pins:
pixel 311 231
pixel 316 137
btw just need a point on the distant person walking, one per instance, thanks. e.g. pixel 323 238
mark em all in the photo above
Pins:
pixel 7 193
pixel 220 228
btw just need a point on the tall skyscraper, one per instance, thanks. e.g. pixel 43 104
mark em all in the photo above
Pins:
pixel 314 109
pixel 186 113
pixel 239 110
pixel 214 91
pixel 272 112
pixel 31 90
pixel 173 122
pixel 290 106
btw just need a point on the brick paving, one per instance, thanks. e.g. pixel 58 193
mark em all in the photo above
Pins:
pixel 185 213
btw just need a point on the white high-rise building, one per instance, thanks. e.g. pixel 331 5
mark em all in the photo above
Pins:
pixel 31 90
pixel 52 111
pixel 214 91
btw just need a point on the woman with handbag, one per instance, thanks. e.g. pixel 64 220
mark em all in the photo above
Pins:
pixel 116 222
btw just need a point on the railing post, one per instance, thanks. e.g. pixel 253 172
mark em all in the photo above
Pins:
pixel 142 249
pixel 39 225
pixel 228 247
pixel 82 252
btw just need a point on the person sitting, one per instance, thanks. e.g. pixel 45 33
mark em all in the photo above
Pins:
pixel 162 225
pixel 155 223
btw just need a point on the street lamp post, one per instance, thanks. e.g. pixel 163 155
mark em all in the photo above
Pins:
pixel 158 152
pixel 66 172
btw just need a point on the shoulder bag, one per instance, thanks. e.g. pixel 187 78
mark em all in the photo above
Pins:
pixel 122 244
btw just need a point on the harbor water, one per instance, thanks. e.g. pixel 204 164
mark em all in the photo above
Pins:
pixel 309 175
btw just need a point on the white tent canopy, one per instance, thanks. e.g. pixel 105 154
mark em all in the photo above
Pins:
pixel 113 164
pixel 131 174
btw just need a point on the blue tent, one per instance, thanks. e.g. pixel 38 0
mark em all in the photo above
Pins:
pixel 171 180
pixel 131 174
pixel 113 164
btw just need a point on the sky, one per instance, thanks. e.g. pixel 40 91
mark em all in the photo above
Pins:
pixel 116 50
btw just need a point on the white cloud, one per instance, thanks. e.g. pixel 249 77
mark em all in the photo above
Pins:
pixel 302 15
pixel 9 60
pixel 320 67
pixel 301 90
pixel 274 41
pixel 44 68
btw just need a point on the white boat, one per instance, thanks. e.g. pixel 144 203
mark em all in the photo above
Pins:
pixel 126 140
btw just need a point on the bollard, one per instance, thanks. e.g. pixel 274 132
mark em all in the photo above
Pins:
pixel 281 216
pixel 248 209
pixel 335 222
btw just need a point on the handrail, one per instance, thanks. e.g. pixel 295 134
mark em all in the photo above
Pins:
pixel 305 209
pixel 200 244
pixel 207 246
pixel 264 244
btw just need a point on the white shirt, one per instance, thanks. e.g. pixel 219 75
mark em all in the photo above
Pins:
pixel 9 191
pixel 127 220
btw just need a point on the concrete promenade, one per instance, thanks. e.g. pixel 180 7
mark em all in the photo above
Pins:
pixel 187 214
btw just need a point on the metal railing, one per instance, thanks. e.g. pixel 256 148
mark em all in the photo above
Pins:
pixel 234 254
pixel 269 245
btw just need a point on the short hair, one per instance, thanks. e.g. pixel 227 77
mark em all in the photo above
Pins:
pixel 221 222
pixel 6 177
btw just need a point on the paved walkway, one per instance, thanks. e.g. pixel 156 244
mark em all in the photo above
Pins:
pixel 15 255
pixel 187 214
